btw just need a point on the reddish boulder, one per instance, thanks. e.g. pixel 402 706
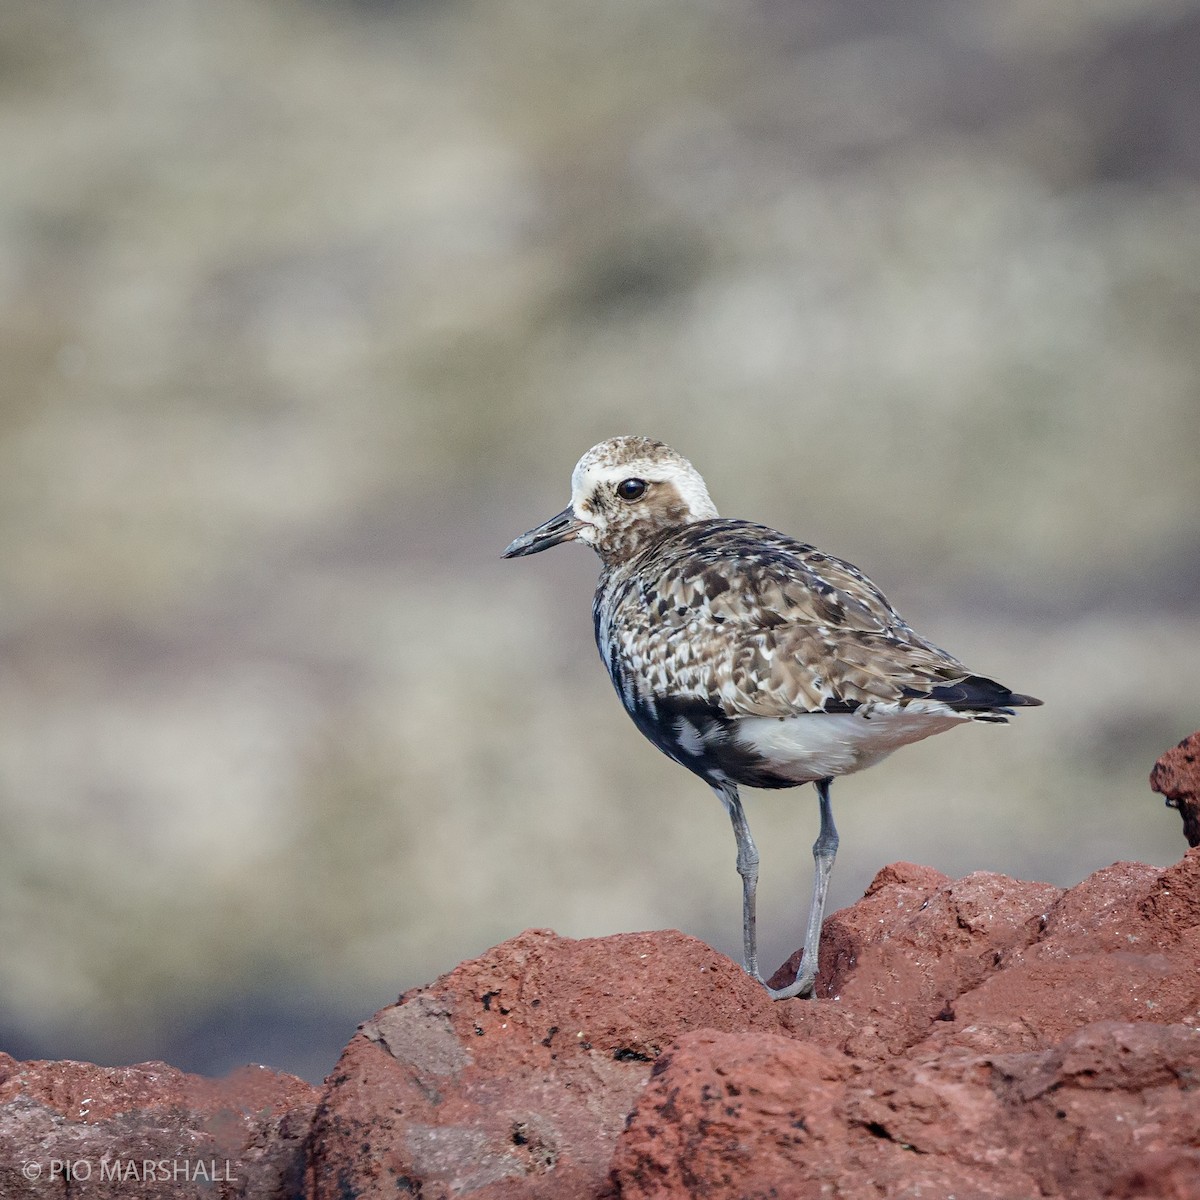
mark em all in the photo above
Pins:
pixel 1177 777
pixel 75 1130
pixel 981 1037
pixel 916 942
pixel 988 1038
pixel 1123 945
pixel 513 1075
pixel 1108 1112
pixel 736 1115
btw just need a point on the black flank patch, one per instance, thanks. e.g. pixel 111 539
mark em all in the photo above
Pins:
pixel 719 753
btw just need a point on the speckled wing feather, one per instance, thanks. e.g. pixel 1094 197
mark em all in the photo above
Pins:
pixel 753 623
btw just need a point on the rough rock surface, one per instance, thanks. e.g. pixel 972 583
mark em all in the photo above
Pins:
pixel 981 1037
pixel 514 1074
pixel 990 1039
pixel 1103 1112
pixel 1176 776
pixel 978 1037
pixel 71 1129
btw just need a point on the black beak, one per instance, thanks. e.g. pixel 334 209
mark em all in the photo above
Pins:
pixel 561 528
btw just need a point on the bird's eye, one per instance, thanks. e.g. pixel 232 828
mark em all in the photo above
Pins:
pixel 631 489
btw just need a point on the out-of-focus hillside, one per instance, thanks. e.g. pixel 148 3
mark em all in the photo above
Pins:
pixel 307 308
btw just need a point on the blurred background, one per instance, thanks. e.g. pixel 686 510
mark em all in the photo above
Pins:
pixel 307 308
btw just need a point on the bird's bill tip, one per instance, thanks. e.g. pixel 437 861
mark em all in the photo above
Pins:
pixel 563 527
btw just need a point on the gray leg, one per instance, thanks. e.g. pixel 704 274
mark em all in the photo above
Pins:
pixel 824 852
pixel 747 865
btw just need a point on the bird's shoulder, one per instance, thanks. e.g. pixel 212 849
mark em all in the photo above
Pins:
pixel 741 573
pixel 757 623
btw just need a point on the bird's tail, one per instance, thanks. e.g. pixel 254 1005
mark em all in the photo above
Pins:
pixel 986 699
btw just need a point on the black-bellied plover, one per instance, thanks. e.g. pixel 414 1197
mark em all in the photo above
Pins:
pixel 749 657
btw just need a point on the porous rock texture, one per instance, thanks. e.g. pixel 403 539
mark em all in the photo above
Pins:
pixel 980 1037
pixel 78 1131
pixel 514 1074
pixel 1176 776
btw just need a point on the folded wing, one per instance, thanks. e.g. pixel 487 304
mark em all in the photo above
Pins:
pixel 753 623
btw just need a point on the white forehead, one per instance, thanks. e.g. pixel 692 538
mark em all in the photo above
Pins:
pixel 640 458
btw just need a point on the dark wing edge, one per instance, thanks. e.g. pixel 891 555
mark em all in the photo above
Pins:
pixel 987 699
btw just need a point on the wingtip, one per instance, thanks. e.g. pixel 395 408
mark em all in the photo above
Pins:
pixel 979 694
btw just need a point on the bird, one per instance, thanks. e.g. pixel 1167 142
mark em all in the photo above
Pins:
pixel 748 657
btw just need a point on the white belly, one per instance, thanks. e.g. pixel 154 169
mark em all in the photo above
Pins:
pixel 818 745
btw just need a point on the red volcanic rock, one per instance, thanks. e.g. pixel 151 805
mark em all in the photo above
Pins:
pixel 1110 1111
pixel 915 943
pixel 989 1038
pixel 71 1129
pixel 736 1115
pixel 978 1037
pixel 1123 945
pixel 1177 777
pixel 513 1075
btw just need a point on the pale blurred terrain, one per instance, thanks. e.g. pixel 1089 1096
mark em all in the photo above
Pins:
pixel 308 308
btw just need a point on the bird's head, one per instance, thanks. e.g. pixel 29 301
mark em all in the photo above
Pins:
pixel 625 493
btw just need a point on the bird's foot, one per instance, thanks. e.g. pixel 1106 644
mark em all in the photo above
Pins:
pixel 801 987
